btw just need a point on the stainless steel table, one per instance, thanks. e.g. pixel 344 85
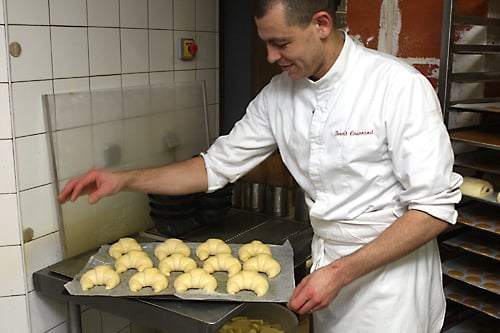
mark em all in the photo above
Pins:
pixel 169 313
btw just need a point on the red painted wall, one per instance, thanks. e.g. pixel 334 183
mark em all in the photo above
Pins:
pixel 421 25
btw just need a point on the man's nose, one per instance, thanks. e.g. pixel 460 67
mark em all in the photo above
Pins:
pixel 273 54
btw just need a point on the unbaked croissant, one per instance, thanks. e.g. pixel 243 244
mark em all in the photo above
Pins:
pixel 100 275
pixel 122 246
pixel 252 249
pixel 149 277
pixel 210 247
pixel 222 262
pixel 197 278
pixel 176 262
pixel 263 263
pixel 247 280
pixel 134 259
pixel 171 246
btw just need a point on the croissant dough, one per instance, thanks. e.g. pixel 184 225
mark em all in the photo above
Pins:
pixel 176 262
pixel 247 280
pixel 149 277
pixel 222 262
pixel 122 246
pixel 263 263
pixel 171 246
pixel 100 275
pixel 476 187
pixel 212 246
pixel 253 248
pixel 197 278
pixel 134 259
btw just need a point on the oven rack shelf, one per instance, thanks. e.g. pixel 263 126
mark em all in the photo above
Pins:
pixel 474 271
pixel 473 298
pixel 482 160
pixel 477 242
pixel 477 322
pixel 484 137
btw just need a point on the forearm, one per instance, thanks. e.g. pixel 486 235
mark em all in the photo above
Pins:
pixel 409 232
pixel 180 178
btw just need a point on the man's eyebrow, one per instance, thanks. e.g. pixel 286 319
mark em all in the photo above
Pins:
pixel 277 40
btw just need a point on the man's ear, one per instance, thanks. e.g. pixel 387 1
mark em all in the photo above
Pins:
pixel 324 23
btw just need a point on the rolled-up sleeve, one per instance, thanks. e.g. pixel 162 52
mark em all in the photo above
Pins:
pixel 421 152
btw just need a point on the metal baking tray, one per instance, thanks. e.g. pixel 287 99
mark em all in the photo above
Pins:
pixel 280 287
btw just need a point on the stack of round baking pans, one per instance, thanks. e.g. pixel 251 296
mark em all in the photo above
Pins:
pixel 173 215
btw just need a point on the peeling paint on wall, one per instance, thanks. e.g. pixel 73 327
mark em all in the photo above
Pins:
pixel 390 27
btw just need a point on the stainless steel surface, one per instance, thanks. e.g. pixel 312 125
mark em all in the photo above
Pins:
pixel 175 315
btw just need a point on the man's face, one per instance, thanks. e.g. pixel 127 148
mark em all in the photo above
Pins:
pixel 297 50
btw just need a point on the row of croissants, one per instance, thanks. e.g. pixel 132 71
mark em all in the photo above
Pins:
pixel 244 272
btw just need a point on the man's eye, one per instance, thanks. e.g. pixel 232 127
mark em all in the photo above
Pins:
pixel 282 45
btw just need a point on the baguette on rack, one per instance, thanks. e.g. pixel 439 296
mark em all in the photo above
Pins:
pixel 476 187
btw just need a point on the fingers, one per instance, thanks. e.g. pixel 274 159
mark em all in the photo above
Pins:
pixel 79 186
pixel 302 300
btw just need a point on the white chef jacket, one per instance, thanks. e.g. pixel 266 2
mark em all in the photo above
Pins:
pixel 366 142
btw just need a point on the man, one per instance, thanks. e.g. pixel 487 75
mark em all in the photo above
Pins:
pixel 361 132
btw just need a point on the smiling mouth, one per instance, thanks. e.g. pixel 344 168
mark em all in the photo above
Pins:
pixel 286 67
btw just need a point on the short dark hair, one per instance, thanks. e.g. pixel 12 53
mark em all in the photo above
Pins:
pixel 297 12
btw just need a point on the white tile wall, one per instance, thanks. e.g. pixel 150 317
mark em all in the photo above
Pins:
pixel 10 283
pixel 9 216
pixel 104 50
pixel 45 312
pixel 73 46
pixel 134 13
pixel 134 50
pixel 103 13
pixel 185 14
pixel 39 211
pixel 33 163
pixel 68 12
pixel 161 14
pixel 161 43
pixel 27 106
pixel 40 253
pixel 35 62
pixel 206 56
pixel 70 52
pixel 7 174
pixel 3 55
pixel 5 118
pixel 206 15
pixel 13 315
pixel 27 12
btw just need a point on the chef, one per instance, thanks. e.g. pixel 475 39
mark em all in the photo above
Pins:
pixel 361 132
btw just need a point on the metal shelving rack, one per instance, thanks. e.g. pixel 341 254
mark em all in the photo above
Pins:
pixel 472 273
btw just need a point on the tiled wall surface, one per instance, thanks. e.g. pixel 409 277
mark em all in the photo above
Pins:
pixel 76 45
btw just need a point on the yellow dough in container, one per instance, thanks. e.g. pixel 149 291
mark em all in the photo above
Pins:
pixel 476 187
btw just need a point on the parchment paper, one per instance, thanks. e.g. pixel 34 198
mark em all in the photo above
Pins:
pixel 280 287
